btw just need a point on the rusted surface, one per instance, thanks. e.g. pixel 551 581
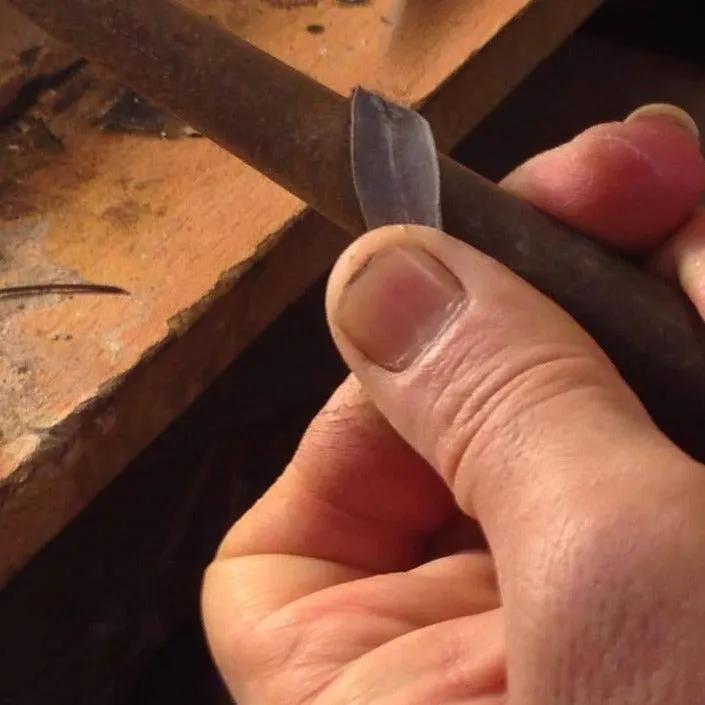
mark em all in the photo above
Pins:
pixel 297 133
pixel 27 55
pixel 286 125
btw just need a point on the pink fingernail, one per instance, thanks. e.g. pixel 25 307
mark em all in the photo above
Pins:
pixel 671 112
pixel 397 304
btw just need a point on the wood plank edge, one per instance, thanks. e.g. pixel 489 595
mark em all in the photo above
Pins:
pixel 513 54
pixel 44 494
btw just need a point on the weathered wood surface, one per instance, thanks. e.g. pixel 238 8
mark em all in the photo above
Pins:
pixel 88 381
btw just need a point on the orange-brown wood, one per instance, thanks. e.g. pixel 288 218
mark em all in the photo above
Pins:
pixel 210 250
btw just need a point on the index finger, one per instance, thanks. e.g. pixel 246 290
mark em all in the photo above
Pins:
pixel 628 184
pixel 354 493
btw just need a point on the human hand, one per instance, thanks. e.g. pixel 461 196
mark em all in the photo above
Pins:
pixel 360 576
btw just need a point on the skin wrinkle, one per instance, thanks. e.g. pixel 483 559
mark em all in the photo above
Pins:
pixel 331 436
pixel 641 156
pixel 301 620
pixel 452 665
pixel 396 523
pixel 585 180
pixel 542 380
pixel 302 617
pixel 493 441
pixel 451 674
pixel 262 657
pixel 405 540
pixel 367 595
pixel 489 392
pixel 594 565
pixel 371 539
pixel 268 600
pixel 447 368
pixel 298 632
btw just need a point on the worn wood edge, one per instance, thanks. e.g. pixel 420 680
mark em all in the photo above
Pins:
pixel 511 54
pixel 233 319
pixel 160 522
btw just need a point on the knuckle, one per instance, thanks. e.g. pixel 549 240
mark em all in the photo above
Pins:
pixel 490 410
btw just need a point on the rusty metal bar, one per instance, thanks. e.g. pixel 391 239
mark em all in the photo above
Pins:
pixel 272 117
pixel 296 131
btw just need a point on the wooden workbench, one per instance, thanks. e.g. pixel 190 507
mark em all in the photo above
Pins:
pixel 210 251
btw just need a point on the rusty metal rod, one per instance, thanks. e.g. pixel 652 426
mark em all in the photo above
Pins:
pixel 297 132
pixel 272 117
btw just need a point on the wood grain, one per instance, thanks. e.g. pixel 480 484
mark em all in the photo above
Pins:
pixel 211 251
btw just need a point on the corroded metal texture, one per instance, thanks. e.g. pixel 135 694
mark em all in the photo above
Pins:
pixel 297 132
pixel 276 119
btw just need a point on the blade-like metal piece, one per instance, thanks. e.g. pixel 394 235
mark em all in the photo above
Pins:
pixel 15 292
pixel 395 164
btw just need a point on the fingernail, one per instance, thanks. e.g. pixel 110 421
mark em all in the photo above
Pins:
pixel 671 112
pixel 397 304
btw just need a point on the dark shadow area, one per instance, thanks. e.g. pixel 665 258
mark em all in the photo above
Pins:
pixel 81 630
pixel 673 27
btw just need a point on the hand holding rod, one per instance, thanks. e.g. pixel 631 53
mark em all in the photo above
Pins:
pixel 297 132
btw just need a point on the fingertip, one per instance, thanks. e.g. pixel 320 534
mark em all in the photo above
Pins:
pixel 681 260
pixel 356 259
pixel 666 111
pixel 628 184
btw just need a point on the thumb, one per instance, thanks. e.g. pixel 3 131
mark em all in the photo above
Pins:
pixel 518 410
pixel 484 376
